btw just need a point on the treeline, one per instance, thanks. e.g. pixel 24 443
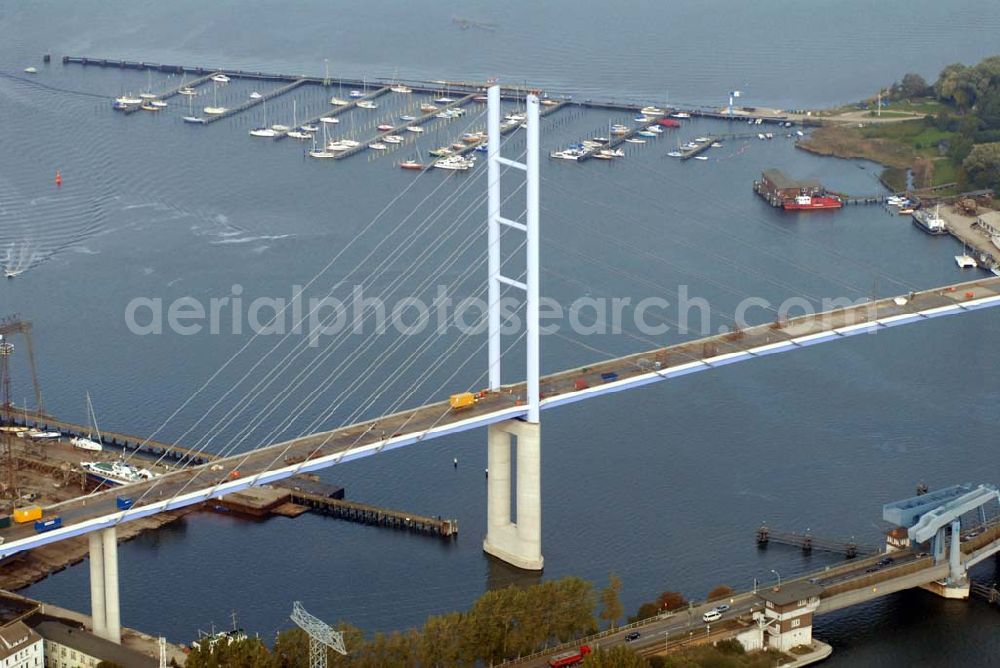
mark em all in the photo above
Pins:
pixel 970 96
pixel 501 624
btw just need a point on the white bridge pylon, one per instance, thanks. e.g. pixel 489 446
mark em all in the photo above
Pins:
pixel 517 542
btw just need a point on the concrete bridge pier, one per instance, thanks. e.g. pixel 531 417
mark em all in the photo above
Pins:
pixel 104 608
pixel 518 543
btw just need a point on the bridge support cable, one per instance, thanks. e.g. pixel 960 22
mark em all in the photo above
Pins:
pixel 366 228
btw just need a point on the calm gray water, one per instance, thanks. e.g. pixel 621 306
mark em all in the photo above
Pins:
pixel 664 485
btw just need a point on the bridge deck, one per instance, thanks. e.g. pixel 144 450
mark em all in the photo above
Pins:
pixel 318 451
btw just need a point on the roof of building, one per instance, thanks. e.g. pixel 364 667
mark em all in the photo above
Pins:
pixel 781 181
pixel 91 645
pixel 790 592
pixel 15 637
pixel 990 218
pixel 13 608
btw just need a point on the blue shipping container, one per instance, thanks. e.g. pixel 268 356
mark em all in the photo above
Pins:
pixel 123 502
pixel 41 526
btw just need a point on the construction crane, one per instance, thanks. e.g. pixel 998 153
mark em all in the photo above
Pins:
pixel 10 326
pixel 10 477
pixel 321 636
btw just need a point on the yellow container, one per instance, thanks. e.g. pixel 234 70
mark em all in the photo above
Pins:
pixel 27 514
pixel 462 400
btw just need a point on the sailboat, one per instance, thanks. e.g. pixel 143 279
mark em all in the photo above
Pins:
pixel 323 152
pixel 263 131
pixel 191 118
pixel 444 99
pixel 185 89
pixel 412 163
pixel 215 109
pixel 149 94
pixel 86 443
pixel 298 132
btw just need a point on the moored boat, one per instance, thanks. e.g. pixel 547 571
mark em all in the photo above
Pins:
pixel 812 203
pixel 929 222
pixel 118 472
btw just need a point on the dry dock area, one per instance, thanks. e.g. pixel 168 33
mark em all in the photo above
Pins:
pixel 977 240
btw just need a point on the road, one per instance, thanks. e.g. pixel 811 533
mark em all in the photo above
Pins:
pixel 265 464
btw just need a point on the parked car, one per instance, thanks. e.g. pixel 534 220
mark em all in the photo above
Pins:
pixel 711 616
pixel 633 635
pixel 722 608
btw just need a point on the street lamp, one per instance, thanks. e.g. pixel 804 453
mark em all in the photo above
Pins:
pixel 778 575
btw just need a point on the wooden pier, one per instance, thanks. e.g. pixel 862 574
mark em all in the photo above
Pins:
pixel 333 112
pixel 699 148
pixel 807 542
pixel 365 514
pixel 402 127
pixel 194 83
pixel 614 141
pixel 255 101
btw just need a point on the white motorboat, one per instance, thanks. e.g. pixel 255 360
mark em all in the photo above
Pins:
pixel 680 114
pixel 355 93
pixel 159 104
pixel 263 132
pixel 415 128
pixel 407 118
pixel 255 95
pixel 278 127
pixel 187 90
pixel 652 111
pixel 455 163
pixel 116 473
pixel 194 119
pixel 399 88
pixel 392 139
pixel 675 154
pixel 298 134
pixel 31 70
pixel 377 146
pixel 701 157
pixel 655 129
pixel 367 104
pixel 220 78
pixel 633 140
pixel 337 102
pixel 309 128
pixel 329 120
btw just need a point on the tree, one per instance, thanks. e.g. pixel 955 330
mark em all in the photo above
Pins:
pixel 611 603
pixel 248 653
pixel 982 165
pixel 618 656
pixel 671 600
pixel 913 85
pixel 720 592
pixel 291 649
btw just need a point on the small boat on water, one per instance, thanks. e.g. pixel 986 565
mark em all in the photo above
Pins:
pixel 299 134
pixel 456 163
pixel 411 164
pixel 278 127
pixel 675 154
pixel 612 152
pixel 355 93
pixel 813 203
pixel 31 70
pixel 407 118
pixel 187 90
pixel 367 104
pixel 646 133
pixel 966 261
pixel 194 119
pixel 415 128
pixel 716 144
pixel 441 152
pixel 642 119
pixel 220 78
pixel 126 102
pixel 427 107
pixel 263 132
pixel 680 114
pixel 633 140
pixel 321 154
pixel 255 95
pixel 652 111
pixel 655 129
pixel 215 109
pixel 149 106
pixel 329 120
pixel 701 157
pixel 929 222
pixel 385 127
pixel 392 139
pixel 377 146
pixel 399 88
pixel 337 102
pixel 309 128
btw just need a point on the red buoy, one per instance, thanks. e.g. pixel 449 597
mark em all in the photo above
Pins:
pixel 58 178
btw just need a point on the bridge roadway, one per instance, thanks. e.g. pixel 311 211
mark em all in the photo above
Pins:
pixel 318 451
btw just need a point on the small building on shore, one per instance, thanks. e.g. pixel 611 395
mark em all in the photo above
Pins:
pixel 989 222
pixel 788 614
pixel 776 187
